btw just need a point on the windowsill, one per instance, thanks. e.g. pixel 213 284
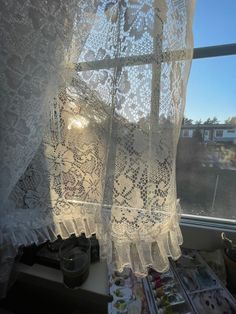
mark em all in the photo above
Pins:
pixel 93 294
pixel 205 234
pixel 44 273
pixel 41 289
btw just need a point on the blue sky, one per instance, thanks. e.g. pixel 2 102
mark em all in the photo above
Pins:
pixel 212 83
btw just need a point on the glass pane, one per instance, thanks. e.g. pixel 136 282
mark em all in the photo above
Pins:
pixel 206 161
pixel 214 22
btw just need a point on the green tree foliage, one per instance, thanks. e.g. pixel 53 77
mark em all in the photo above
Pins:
pixel 197 135
pixel 187 121
pixel 198 121
pixel 214 120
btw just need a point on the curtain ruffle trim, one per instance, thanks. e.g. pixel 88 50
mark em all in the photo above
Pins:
pixel 154 253
pixel 138 255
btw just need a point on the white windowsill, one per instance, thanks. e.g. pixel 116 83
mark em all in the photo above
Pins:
pixel 96 283
pixel 204 233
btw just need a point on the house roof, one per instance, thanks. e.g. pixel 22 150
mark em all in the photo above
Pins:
pixel 208 126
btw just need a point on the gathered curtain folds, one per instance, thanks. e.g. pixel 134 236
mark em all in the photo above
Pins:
pixel 92 100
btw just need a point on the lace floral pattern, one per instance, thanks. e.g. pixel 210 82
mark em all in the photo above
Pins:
pixel 93 97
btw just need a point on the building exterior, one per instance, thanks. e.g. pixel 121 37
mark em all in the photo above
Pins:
pixel 211 132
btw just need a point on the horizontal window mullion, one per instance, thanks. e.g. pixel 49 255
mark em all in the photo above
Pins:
pixel 203 221
pixel 214 51
pixel 113 63
pixel 198 53
pixel 132 60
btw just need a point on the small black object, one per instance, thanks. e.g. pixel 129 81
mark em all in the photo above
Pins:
pixel 29 254
pixel 74 254
pixel 94 249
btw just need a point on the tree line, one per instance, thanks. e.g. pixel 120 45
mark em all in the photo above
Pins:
pixel 214 120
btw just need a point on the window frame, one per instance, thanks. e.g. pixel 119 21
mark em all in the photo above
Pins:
pixel 186 133
pixel 219 133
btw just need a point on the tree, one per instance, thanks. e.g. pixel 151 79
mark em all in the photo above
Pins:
pixel 187 121
pixel 198 121
pixel 208 121
pixel 214 120
pixel 231 120
pixel 197 135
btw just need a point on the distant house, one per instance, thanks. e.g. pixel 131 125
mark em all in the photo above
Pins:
pixel 211 132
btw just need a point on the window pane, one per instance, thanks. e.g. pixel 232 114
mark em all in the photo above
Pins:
pixel 214 22
pixel 206 161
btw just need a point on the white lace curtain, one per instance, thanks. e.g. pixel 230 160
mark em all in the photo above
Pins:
pixel 92 99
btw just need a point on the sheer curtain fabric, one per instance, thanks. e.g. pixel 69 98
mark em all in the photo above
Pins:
pixel 92 100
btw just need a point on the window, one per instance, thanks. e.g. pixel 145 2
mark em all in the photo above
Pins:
pixel 185 133
pixel 219 133
pixel 206 168
pixel 205 134
pixel 206 162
